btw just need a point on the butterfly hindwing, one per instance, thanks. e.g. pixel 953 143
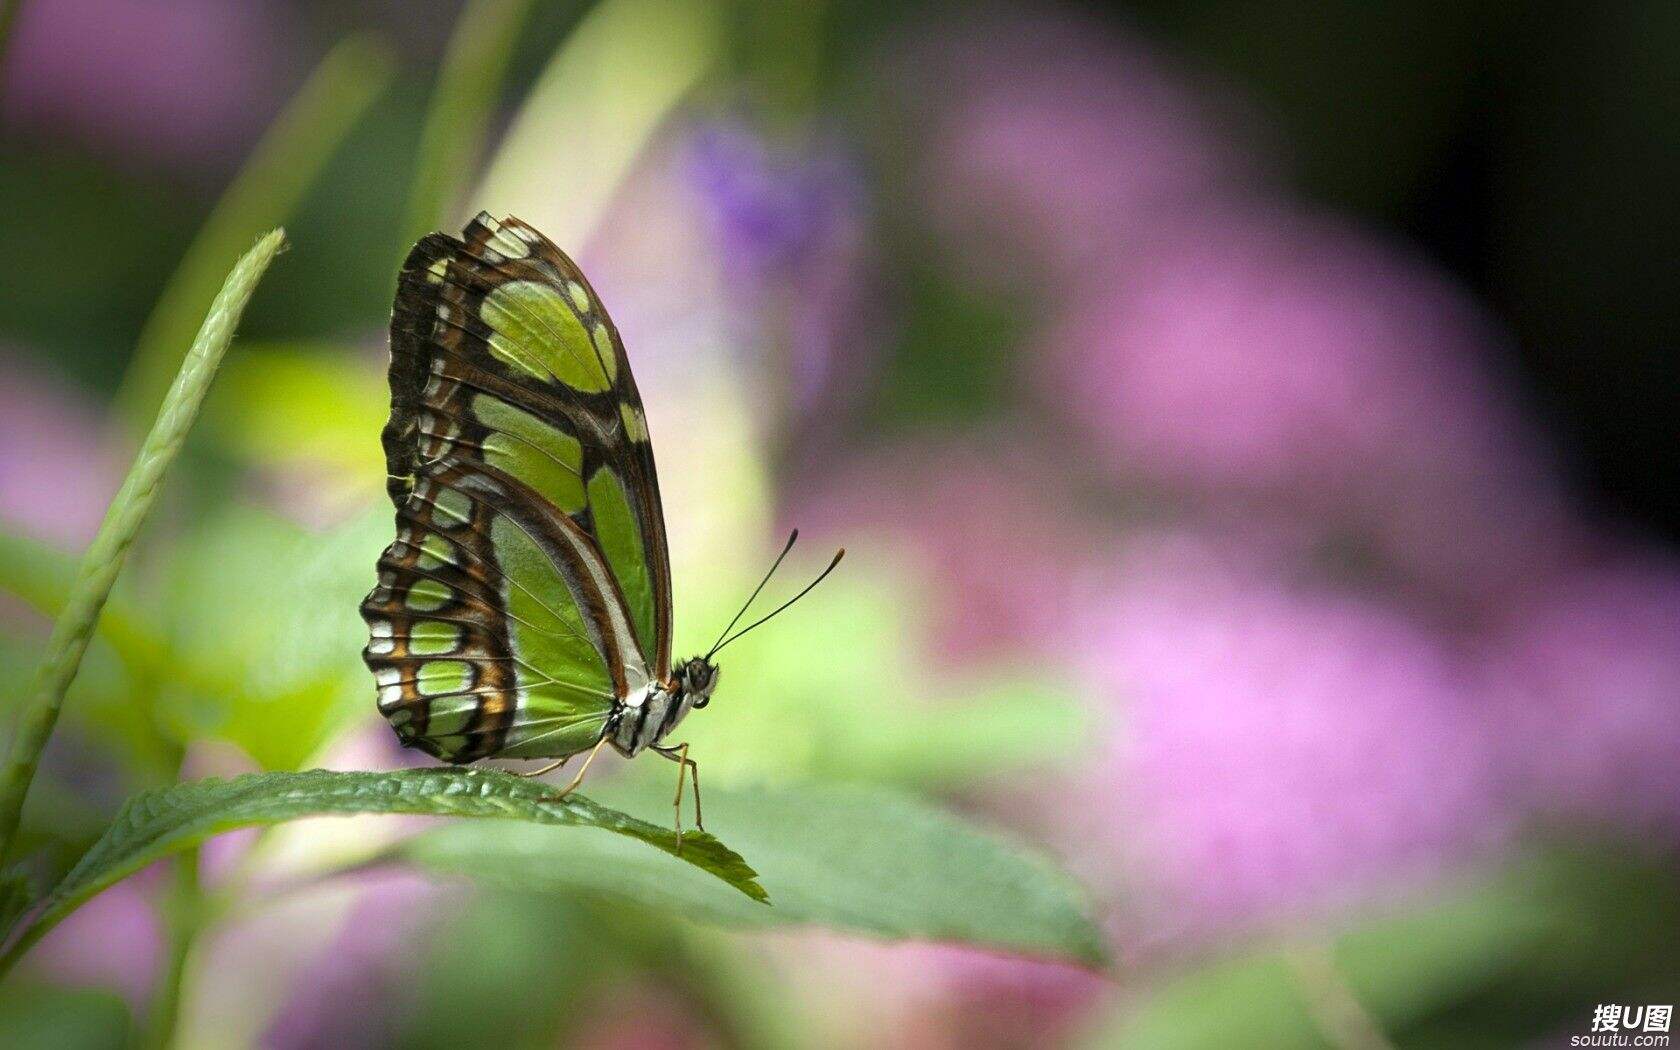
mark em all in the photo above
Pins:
pixel 528 590
pixel 475 646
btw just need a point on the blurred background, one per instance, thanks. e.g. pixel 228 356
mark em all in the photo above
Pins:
pixel 1252 425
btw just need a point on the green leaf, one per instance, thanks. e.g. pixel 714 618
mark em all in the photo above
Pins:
pixel 864 860
pixel 45 1018
pixel 15 897
pixel 155 824
pixel 1253 1000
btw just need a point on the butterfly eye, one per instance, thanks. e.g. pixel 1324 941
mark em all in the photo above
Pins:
pixel 702 702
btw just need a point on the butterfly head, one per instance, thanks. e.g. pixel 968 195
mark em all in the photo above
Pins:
pixel 698 677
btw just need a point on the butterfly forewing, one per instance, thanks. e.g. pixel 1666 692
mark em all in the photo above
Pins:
pixel 528 590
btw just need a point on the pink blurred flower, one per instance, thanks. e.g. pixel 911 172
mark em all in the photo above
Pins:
pixel 189 80
pixel 646 1017
pixel 1589 667
pixel 1277 746
pixel 995 536
pixel 1056 136
pixel 57 473
pixel 917 996
pixel 114 941
pixel 1260 353
pixel 344 996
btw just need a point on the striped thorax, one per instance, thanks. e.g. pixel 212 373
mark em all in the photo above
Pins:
pixel 647 718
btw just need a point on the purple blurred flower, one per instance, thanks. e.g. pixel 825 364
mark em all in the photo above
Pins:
pixel 788 224
pixel 1057 136
pixel 344 996
pixel 1261 353
pixel 1589 667
pixel 189 80
pixel 56 475
pixel 1278 746
pixel 722 241
pixel 770 210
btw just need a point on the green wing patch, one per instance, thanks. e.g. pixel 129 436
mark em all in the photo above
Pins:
pixel 533 328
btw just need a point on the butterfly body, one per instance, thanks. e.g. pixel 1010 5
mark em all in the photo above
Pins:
pixel 647 720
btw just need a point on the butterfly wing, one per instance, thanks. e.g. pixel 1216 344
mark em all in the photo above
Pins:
pixel 529 523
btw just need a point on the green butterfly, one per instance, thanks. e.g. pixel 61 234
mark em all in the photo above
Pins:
pixel 524 609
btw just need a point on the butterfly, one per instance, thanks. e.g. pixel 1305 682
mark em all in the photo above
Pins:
pixel 524 609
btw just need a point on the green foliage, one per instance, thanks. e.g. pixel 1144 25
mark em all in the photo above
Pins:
pixel 283 165
pixel 887 718
pixel 73 303
pixel 259 644
pixel 265 642
pixel 156 824
pixel 102 563
pixel 581 951
pixel 1501 961
pixel 47 1018
pixel 618 76
pixel 15 898
pixel 245 630
pixel 853 858
pixel 954 360
pixel 42 577
pixel 310 405
pixel 106 700
pixel 511 940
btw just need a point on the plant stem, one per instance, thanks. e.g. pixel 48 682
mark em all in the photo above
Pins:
pixel 612 84
pixel 466 93
pixel 8 22
pixel 1340 1016
pixel 104 559
pixel 185 915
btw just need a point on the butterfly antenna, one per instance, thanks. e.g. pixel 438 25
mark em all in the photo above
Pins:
pixel 750 598
pixel 841 553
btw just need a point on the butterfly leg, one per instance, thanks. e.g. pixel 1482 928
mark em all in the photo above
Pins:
pixel 679 755
pixel 551 767
pixel 579 778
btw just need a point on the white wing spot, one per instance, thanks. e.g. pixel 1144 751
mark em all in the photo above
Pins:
pixel 510 243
